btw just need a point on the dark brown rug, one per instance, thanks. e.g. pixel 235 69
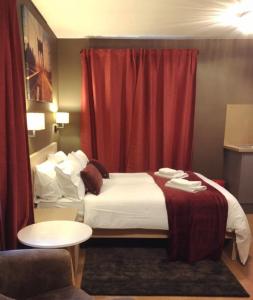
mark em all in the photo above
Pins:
pixel 147 272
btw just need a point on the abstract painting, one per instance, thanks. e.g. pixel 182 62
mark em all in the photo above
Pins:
pixel 38 48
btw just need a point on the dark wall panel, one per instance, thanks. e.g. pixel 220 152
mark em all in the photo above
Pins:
pixel 47 136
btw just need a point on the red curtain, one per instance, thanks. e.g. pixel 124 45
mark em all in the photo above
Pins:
pixel 138 107
pixel 16 204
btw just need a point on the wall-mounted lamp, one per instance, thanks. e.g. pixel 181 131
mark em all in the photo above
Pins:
pixel 35 121
pixel 61 118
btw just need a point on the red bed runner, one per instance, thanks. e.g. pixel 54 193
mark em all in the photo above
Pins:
pixel 197 221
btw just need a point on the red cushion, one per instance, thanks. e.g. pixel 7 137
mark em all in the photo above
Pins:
pixel 92 179
pixel 101 168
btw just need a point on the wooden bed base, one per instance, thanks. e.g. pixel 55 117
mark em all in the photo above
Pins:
pixel 150 234
pixel 130 233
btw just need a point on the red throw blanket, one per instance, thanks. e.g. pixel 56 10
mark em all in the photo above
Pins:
pixel 197 221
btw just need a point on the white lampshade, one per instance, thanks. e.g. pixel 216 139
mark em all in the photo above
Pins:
pixel 62 117
pixel 35 121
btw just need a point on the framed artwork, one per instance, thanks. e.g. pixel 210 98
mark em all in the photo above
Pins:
pixel 38 48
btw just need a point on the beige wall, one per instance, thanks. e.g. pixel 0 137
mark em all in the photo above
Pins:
pixel 43 137
pixel 224 75
pixel 69 89
pixel 239 124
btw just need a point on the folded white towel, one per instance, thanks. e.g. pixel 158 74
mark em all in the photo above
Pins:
pixel 185 182
pixel 168 171
pixel 186 188
pixel 180 174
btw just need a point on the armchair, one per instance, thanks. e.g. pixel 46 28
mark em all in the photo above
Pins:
pixel 38 274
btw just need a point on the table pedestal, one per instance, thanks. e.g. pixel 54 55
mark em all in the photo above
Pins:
pixel 74 252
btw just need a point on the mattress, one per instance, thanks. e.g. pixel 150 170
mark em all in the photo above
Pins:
pixel 127 201
pixel 133 200
pixel 64 203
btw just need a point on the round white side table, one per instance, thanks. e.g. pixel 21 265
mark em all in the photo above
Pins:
pixel 56 234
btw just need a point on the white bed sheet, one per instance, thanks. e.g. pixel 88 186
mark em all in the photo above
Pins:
pixel 128 201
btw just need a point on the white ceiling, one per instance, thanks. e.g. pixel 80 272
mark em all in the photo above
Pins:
pixel 137 18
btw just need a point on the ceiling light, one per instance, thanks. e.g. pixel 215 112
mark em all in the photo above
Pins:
pixel 239 15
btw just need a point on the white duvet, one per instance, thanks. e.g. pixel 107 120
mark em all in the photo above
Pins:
pixel 134 200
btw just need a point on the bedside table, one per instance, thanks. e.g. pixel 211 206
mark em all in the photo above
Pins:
pixel 54 213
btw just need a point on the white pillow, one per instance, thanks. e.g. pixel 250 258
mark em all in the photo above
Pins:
pixel 45 183
pixel 57 157
pixel 77 165
pixel 69 179
pixel 81 157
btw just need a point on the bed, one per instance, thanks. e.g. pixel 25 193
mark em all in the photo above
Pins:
pixel 132 205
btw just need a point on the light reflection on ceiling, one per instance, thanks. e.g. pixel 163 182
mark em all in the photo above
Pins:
pixel 148 18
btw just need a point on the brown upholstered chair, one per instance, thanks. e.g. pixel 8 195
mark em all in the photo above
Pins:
pixel 38 274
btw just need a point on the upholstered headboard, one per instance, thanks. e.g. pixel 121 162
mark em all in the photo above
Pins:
pixel 41 155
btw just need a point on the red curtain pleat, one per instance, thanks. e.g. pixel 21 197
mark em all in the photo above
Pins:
pixel 138 107
pixel 16 203
pixel 109 79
